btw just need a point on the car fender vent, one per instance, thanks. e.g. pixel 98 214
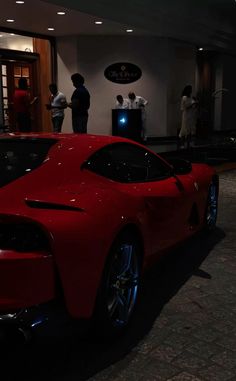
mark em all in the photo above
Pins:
pixel 51 205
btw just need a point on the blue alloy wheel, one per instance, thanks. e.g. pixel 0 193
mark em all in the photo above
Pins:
pixel 122 284
pixel 118 293
pixel 212 205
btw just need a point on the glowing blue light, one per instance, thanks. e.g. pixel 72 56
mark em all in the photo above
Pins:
pixel 123 120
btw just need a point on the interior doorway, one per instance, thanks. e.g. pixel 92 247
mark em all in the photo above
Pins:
pixel 11 71
pixel 37 63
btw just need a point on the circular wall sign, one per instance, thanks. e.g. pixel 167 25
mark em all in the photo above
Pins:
pixel 122 72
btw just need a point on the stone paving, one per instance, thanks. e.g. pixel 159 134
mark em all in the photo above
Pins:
pixel 184 329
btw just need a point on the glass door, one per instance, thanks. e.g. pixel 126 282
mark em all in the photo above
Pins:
pixel 21 70
pixel 12 71
pixel 5 115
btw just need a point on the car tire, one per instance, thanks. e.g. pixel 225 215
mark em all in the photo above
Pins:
pixel 212 204
pixel 118 293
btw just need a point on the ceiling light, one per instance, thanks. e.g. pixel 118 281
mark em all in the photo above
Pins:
pixel 19 2
pixel 51 29
pixel 98 22
pixel 129 30
pixel 10 20
pixel 61 13
pixel 200 48
pixel 1 35
pixel 12 34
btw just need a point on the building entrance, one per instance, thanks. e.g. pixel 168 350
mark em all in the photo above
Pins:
pixel 35 59
pixel 11 71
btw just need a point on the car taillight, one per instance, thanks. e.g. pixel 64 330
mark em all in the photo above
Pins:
pixel 22 237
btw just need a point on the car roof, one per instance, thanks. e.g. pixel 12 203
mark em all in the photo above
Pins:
pixel 80 146
pixel 63 136
pixel 80 139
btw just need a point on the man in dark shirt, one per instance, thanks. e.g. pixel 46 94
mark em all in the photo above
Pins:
pixel 80 102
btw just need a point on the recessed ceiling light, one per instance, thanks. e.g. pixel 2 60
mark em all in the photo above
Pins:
pixel 20 2
pixel 129 30
pixel 12 34
pixel 200 48
pixel 98 22
pixel 1 35
pixel 61 13
pixel 51 29
pixel 10 20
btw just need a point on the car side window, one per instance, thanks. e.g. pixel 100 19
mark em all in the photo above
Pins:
pixel 21 155
pixel 128 163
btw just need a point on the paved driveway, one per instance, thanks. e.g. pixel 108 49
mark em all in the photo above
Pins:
pixel 185 329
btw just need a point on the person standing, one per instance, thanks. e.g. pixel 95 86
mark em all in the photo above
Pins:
pixel 80 103
pixel 138 102
pixel 188 109
pixel 22 104
pixel 57 105
pixel 121 103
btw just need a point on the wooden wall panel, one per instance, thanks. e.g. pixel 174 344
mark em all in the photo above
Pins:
pixel 44 78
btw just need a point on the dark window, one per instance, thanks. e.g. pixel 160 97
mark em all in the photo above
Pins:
pixel 126 162
pixel 19 156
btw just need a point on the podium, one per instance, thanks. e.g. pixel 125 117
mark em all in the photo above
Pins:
pixel 127 123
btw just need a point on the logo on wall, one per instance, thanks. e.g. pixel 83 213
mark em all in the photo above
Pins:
pixel 122 72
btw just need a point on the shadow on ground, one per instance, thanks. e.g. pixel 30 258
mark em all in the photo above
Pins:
pixel 68 357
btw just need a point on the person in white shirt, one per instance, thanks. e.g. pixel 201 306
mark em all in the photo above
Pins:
pixel 121 103
pixel 188 118
pixel 138 102
pixel 57 105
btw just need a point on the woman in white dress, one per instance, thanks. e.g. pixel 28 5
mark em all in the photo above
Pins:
pixel 188 122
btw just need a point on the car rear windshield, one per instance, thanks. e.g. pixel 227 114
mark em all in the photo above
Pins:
pixel 19 156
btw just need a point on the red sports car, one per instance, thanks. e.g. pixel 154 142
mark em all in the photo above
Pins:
pixel 82 216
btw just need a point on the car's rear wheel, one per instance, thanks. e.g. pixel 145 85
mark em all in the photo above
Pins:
pixel 118 293
pixel 212 204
